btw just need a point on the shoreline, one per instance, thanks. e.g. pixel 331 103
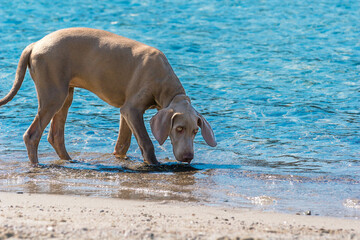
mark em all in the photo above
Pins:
pixel 44 216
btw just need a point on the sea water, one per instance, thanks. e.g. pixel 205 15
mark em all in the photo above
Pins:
pixel 279 82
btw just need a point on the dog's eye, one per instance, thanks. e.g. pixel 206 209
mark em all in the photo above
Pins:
pixel 179 129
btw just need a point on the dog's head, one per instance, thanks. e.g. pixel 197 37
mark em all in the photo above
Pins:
pixel 181 122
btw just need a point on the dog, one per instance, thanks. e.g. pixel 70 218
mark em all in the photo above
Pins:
pixel 122 72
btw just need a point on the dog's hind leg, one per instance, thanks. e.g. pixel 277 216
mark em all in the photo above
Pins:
pixel 124 139
pixel 52 92
pixel 56 134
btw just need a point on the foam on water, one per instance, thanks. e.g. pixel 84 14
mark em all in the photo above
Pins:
pixel 278 81
pixel 352 203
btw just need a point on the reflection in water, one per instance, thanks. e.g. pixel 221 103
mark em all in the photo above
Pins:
pixel 104 176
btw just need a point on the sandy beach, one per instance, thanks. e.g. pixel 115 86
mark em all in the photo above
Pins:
pixel 42 216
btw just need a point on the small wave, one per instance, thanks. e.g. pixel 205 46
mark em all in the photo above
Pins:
pixel 352 203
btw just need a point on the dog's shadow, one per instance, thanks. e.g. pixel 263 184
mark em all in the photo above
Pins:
pixel 137 168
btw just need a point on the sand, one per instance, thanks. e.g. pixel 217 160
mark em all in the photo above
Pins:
pixel 43 216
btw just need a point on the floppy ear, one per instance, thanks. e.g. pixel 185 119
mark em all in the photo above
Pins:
pixel 206 131
pixel 160 124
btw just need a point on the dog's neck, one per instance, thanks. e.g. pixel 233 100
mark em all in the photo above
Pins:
pixel 170 93
pixel 179 98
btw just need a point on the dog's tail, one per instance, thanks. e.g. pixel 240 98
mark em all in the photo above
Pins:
pixel 20 74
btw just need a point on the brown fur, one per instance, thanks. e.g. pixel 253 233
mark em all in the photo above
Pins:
pixel 122 72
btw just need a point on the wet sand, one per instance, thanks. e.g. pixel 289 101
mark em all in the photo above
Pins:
pixel 43 216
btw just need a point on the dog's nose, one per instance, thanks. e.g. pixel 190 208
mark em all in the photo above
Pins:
pixel 188 157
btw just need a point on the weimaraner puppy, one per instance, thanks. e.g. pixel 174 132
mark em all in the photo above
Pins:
pixel 124 73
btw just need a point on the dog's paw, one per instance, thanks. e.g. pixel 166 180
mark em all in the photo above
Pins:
pixel 121 156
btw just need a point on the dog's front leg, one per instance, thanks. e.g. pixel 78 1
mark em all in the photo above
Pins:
pixel 134 119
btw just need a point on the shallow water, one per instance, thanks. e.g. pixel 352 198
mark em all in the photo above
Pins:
pixel 279 82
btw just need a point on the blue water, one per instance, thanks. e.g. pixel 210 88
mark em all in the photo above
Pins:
pixel 279 81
